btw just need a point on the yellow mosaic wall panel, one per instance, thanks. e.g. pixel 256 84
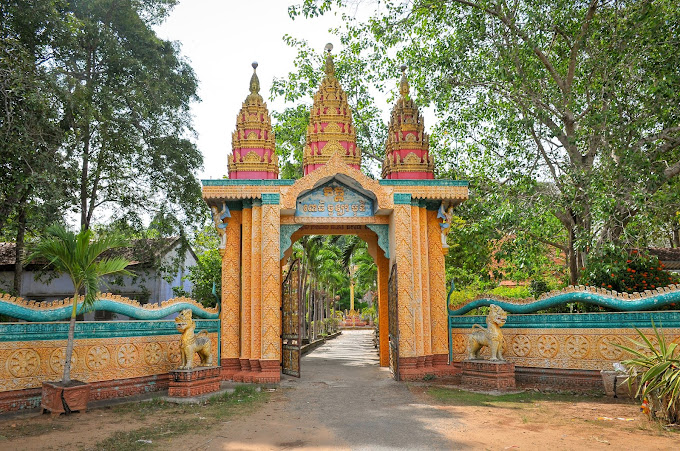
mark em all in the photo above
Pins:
pixel 271 284
pixel 438 312
pixel 425 279
pixel 583 349
pixel 404 257
pixel 29 364
pixel 231 288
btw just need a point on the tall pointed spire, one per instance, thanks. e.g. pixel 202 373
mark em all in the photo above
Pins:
pixel 407 147
pixel 330 128
pixel 252 143
pixel 254 95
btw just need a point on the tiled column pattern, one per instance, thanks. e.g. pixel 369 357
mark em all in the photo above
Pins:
pixel 404 259
pixel 271 290
pixel 246 250
pixel 383 277
pixel 255 283
pixel 425 278
pixel 417 282
pixel 438 313
pixel 231 297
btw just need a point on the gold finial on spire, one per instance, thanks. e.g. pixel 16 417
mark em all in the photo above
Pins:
pixel 330 67
pixel 403 84
pixel 254 85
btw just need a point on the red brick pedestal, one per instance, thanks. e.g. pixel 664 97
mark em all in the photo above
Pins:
pixel 194 382
pixel 488 375
pixel 75 395
pixel 270 372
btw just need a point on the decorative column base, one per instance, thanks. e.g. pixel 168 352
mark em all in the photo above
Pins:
pixel 428 364
pixel 255 369
pixel 229 367
pixel 408 369
pixel 488 375
pixel 243 374
pixel 441 367
pixel 270 372
pixel 194 382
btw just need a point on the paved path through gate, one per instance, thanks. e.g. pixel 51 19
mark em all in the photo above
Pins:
pixel 343 400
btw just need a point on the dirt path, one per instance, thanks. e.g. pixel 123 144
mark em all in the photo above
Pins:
pixel 343 400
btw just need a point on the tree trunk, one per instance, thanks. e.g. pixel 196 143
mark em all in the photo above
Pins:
pixel 675 242
pixel 69 343
pixel 572 257
pixel 83 180
pixel 19 249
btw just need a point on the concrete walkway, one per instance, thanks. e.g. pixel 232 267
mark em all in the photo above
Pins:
pixel 343 400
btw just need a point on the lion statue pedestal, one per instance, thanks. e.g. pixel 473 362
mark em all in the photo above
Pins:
pixel 187 381
pixel 495 373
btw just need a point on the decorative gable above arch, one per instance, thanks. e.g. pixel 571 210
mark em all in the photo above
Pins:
pixel 334 168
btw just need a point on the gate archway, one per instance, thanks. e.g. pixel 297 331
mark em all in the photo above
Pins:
pixel 402 227
pixel 257 215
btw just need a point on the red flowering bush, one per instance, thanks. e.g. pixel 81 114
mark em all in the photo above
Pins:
pixel 626 272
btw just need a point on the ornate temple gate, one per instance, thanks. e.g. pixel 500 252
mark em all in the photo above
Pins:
pixel 403 217
pixel 290 339
pixel 400 224
pixel 393 309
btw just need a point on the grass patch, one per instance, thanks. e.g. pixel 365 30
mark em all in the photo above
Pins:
pixel 32 429
pixel 455 397
pixel 184 418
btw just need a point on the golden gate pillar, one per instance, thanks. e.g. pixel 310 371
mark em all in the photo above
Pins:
pixel 244 375
pixel 271 291
pixel 231 285
pixel 438 309
pixel 407 304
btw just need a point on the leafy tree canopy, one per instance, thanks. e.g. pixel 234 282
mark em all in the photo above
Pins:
pixel 568 108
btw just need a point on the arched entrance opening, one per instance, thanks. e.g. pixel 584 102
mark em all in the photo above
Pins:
pixel 318 285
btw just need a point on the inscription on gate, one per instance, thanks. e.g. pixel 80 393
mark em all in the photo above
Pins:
pixel 334 199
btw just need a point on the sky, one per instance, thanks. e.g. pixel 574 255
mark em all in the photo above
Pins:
pixel 221 38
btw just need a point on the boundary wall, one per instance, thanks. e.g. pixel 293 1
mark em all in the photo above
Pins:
pixel 119 358
pixel 568 350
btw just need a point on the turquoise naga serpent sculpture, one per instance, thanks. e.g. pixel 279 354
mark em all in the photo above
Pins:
pixel 61 310
pixel 625 302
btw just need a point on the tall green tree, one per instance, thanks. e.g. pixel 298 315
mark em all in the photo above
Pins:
pixel 32 191
pixel 80 257
pixel 574 103
pixel 126 95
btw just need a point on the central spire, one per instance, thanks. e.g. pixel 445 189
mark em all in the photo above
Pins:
pixel 330 128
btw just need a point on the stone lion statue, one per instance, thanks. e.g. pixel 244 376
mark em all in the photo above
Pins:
pixel 190 344
pixel 491 336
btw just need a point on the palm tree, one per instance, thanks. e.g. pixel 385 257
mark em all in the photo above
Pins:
pixel 79 256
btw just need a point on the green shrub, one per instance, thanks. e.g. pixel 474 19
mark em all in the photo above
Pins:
pixel 626 272
pixel 519 292
pixel 458 298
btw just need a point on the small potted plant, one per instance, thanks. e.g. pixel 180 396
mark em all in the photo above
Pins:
pixel 80 257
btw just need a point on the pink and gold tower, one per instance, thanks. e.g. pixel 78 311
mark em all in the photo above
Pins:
pixel 252 143
pixel 407 148
pixel 330 128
